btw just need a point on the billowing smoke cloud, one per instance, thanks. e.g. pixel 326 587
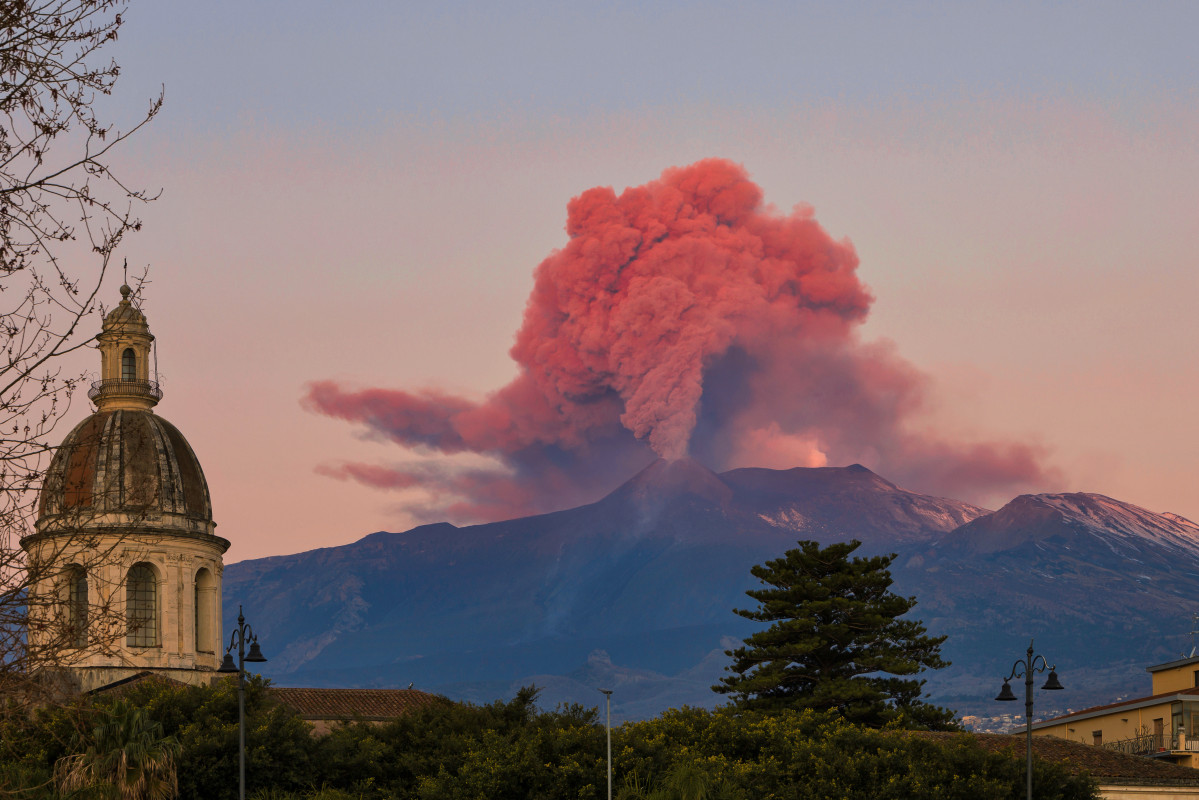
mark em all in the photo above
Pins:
pixel 682 318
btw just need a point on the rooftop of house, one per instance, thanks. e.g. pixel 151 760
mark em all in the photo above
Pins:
pixel 1134 702
pixel 1106 766
pixel 118 688
pixel 348 704
pixel 1181 662
pixel 316 704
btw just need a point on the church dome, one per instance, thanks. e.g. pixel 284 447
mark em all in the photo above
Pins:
pixel 125 566
pixel 126 315
pixel 125 467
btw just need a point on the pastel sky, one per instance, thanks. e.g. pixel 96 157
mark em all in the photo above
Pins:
pixel 361 192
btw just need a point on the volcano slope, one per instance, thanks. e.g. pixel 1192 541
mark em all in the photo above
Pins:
pixel 637 589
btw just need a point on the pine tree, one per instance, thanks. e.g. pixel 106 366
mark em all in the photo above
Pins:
pixel 836 641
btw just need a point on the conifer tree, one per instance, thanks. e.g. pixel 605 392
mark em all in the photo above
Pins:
pixel 836 641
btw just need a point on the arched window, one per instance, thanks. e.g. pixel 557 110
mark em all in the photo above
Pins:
pixel 141 606
pixel 128 365
pixel 77 606
pixel 205 612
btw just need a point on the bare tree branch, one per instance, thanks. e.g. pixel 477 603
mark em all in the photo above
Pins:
pixel 63 213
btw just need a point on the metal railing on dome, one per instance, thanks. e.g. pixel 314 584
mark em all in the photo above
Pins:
pixel 127 388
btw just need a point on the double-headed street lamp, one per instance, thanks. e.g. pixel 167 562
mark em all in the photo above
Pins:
pixel 240 637
pixel 1024 668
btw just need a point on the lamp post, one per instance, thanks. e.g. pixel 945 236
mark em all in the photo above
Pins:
pixel 240 637
pixel 1024 668
pixel 608 701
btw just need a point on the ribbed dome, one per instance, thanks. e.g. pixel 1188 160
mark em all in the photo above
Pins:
pixel 125 467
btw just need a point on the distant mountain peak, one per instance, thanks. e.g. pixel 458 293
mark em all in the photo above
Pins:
pixel 844 502
pixel 822 479
pixel 1039 517
pixel 666 479
pixel 419 530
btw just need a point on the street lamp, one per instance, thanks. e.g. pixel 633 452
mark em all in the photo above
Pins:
pixel 608 700
pixel 1024 668
pixel 240 637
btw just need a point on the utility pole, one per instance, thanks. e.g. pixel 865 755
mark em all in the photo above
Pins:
pixel 608 701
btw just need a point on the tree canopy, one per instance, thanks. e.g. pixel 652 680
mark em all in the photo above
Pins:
pixel 513 751
pixel 124 755
pixel 837 641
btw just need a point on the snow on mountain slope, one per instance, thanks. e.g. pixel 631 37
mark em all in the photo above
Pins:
pixel 1183 521
pixel 1068 519
pixel 831 503
pixel 1115 520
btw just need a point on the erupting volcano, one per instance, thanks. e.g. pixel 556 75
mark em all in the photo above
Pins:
pixel 682 318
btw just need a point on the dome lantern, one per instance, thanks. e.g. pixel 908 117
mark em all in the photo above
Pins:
pixel 124 342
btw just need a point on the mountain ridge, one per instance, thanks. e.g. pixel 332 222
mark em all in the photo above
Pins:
pixel 649 574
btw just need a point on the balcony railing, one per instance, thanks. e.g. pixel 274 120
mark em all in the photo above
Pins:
pixel 1145 745
pixel 1150 744
pixel 121 388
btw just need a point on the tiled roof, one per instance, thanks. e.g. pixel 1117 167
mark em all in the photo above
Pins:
pixel 348 704
pixel 1107 766
pixel 118 688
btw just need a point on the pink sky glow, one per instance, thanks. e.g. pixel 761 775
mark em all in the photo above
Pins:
pixel 1030 249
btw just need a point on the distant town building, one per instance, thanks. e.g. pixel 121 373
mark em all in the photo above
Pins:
pixel 126 562
pixel 1164 724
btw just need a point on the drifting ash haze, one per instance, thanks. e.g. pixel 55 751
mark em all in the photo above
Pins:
pixel 682 318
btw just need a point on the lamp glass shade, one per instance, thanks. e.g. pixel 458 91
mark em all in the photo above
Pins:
pixel 1051 683
pixel 1006 692
pixel 255 653
pixel 227 665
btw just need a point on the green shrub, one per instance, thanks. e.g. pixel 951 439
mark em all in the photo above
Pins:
pixel 512 751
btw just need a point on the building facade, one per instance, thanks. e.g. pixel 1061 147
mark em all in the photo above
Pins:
pixel 125 561
pixel 1163 724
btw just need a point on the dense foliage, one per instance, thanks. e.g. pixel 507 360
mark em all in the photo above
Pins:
pixel 734 755
pixel 451 751
pixel 201 720
pixel 837 641
pixel 123 754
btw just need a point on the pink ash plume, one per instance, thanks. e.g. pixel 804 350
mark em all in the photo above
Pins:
pixel 682 318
